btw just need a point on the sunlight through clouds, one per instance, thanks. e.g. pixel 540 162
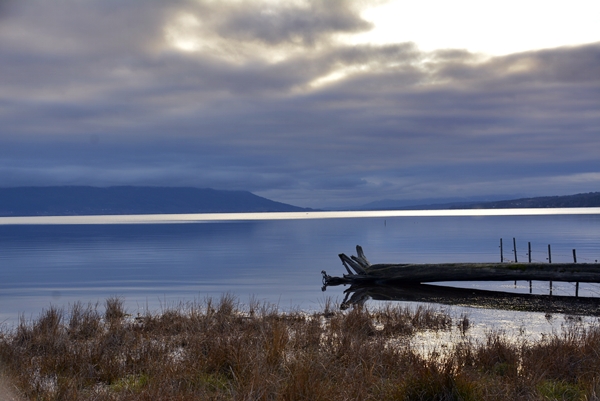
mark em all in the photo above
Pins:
pixel 490 27
pixel 182 33
pixel 266 30
pixel 309 102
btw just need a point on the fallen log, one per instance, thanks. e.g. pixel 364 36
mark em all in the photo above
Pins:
pixel 360 271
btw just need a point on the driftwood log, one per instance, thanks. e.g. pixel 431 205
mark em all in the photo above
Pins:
pixel 360 271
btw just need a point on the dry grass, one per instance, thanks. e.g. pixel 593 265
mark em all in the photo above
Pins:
pixel 220 350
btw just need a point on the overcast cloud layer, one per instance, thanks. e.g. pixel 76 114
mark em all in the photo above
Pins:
pixel 264 96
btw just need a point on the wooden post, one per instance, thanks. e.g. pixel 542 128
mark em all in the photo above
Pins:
pixel 529 256
pixel 515 251
pixel 577 283
pixel 501 252
pixel 550 261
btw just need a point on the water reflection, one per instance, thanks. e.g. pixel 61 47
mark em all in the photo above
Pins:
pixel 359 294
pixel 277 261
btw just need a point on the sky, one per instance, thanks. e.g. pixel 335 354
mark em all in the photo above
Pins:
pixel 324 103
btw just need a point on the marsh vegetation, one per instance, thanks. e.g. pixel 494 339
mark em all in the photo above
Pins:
pixel 223 350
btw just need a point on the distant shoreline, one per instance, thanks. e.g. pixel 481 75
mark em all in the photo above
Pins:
pixel 139 200
pixel 131 200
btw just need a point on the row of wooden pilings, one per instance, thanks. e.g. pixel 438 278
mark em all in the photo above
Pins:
pixel 529 256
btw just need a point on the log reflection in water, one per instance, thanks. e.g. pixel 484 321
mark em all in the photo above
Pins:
pixel 358 294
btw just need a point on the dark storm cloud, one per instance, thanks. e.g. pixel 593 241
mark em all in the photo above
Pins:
pixel 278 23
pixel 98 93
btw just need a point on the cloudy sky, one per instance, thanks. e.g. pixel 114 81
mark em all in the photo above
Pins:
pixel 314 103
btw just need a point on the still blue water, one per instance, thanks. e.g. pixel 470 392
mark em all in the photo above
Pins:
pixel 153 266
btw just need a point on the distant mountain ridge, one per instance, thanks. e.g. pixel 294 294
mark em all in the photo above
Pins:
pixel 85 200
pixel 590 199
pixel 429 203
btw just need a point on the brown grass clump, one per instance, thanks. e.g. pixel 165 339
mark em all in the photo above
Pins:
pixel 221 350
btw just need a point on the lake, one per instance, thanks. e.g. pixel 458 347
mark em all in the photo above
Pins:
pixel 157 262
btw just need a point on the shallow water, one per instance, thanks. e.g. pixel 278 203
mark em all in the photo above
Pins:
pixel 153 266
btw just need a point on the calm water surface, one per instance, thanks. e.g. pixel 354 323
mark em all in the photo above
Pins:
pixel 152 266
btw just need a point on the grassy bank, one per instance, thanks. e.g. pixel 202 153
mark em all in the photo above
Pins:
pixel 220 350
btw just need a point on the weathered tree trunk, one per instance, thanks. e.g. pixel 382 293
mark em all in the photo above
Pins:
pixel 365 272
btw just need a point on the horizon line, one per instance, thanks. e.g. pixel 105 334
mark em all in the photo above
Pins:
pixel 257 216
